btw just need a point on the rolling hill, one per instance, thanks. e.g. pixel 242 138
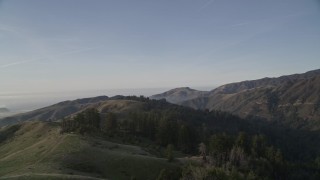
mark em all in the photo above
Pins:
pixel 37 150
pixel 54 112
pixel 117 104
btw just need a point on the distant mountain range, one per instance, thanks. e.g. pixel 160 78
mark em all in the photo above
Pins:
pixel 292 99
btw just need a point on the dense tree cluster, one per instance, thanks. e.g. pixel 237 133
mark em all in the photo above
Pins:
pixel 84 122
pixel 238 157
pixel 163 129
pixel 8 132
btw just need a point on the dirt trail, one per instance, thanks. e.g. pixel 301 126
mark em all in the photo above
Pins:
pixel 55 146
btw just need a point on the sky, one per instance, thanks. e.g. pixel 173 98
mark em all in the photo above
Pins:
pixel 59 45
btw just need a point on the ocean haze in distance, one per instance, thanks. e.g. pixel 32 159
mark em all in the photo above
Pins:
pixel 23 102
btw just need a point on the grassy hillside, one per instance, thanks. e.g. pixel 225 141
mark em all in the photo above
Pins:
pixel 38 150
pixel 66 109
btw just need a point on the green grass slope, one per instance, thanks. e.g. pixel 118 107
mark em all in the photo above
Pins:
pixel 37 150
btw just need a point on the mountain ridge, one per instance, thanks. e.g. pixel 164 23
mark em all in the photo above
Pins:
pixel 294 97
pixel 179 94
pixel 263 82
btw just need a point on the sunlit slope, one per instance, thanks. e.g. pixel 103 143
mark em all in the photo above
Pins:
pixel 38 150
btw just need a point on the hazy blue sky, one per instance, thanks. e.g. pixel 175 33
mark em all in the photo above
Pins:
pixel 63 45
